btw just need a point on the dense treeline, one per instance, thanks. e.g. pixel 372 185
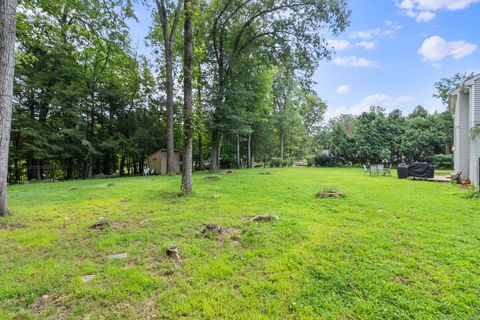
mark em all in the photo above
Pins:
pixel 87 104
pixel 84 102
pixel 376 136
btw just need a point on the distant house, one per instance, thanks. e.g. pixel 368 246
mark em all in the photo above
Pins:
pixel 465 103
pixel 158 161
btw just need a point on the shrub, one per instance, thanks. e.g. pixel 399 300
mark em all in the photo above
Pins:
pixel 310 161
pixel 287 162
pixel 275 162
pixel 325 159
pixel 442 161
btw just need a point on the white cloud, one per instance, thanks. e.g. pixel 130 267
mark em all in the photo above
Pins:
pixel 366 34
pixel 390 29
pixel 339 45
pixel 378 99
pixel 393 25
pixel 343 89
pixel 369 45
pixel 353 61
pixel 424 10
pixel 425 16
pixel 435 49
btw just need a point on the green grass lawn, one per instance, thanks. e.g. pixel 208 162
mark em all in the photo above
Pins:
pixel 391 249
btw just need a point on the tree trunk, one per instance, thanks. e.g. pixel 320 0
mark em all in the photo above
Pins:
pixel 169 91
pixel 69 169
pixel 215 152
pixel 187 105
pixel 168 41
pixel 17 171
pixel 281 144
pixel 249 150
pixel 122 164
pixel 200 151
pixel 38 170
pixel 7 66
pixel 238 154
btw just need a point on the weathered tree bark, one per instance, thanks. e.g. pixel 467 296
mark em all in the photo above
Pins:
pixel 7 66
pixel 168 41
pixel 200 151
pixel 187 97
pixel 215 152
pixel 169 90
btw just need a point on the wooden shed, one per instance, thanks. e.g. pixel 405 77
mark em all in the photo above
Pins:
pixel 158 161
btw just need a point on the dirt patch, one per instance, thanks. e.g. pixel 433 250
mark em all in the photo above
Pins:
pixel 210 229
pixel 230 233
pixel 264 218
pixel 100 225
pixel 330 194
pixel 212 178
pixel 11 226
pixel 229 172
pixel 265 173
pixel 124 225
pixel 50 301
pixel 214 231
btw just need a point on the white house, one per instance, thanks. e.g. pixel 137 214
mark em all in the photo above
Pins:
pixel 465 103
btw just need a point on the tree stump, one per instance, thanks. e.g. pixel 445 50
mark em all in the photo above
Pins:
pixel 173 252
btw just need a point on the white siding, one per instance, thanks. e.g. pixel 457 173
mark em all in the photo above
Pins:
pixel 463 144
pixel 476 102
pixel 456 135
pixel 473 164
pixel 474 160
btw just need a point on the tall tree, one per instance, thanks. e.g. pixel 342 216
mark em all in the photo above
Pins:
pixel 168 33
pixel 284 92
pixel 187 103
pixel 7 65
pixel 287 33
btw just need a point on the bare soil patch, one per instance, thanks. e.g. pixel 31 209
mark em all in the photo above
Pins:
pixel 11 226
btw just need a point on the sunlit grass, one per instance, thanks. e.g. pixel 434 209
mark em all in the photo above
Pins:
pixel 390 249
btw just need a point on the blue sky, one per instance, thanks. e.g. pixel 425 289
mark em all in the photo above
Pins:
pixel 378 59
pixel 391 55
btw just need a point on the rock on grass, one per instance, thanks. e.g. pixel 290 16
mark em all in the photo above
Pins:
pixel 88 277
pixel 117 256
